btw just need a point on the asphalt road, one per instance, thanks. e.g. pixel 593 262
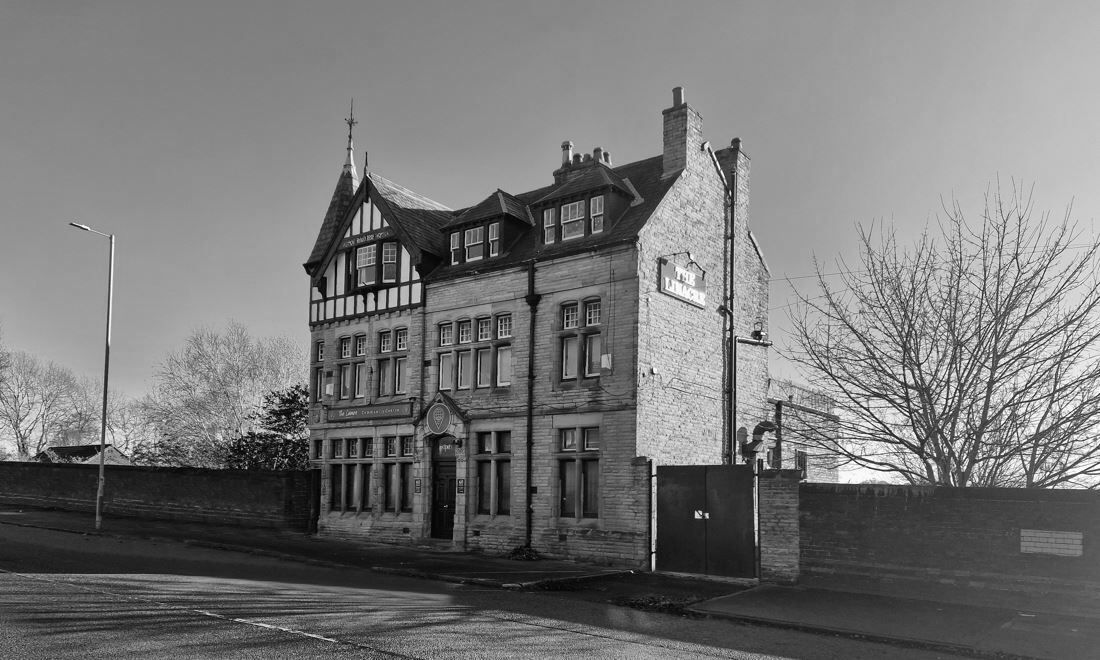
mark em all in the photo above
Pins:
pixel 65 595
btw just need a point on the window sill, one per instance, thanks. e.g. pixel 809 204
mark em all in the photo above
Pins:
pixel 584 523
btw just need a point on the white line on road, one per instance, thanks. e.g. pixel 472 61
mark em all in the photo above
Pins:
pixel 213 615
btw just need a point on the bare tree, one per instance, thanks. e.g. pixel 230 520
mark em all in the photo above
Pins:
pixel 969 359
pixel 128 429
pixel 6 452
pixel 204 394
pixel 34 403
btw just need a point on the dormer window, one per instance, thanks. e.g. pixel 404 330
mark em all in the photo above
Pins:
pixel 572 220
pixel 456 248
pixel 597 214
pixel 475 243
pixel 365 264
pixel 494 239
pixel 549 227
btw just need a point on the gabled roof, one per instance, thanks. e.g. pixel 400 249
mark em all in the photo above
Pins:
pixel 496 205
pixel 416 219
pixel 598 176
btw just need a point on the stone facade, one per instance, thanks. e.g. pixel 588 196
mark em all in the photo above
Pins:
pixel 551 370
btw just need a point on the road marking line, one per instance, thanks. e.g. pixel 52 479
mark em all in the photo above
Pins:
pixel 206 613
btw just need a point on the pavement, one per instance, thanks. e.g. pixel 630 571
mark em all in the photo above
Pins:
pixel 970 622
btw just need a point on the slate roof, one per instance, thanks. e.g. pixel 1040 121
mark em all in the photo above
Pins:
pixel 598 176
pixel 496 205
pixel 419 218
pixel 421 223
pixel 330 226
pixel 642 177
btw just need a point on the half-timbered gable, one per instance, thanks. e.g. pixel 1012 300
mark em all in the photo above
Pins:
pixel 375 252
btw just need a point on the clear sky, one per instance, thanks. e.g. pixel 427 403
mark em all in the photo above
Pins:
pixel 208 135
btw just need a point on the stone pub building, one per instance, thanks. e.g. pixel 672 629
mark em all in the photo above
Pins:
pixel 512 373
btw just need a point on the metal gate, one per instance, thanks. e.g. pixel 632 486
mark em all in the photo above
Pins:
pixel 705 522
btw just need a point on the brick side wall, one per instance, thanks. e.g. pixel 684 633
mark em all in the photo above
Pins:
pixel 749 304
pixel 249 499
pixel 964 536
pixel 779 531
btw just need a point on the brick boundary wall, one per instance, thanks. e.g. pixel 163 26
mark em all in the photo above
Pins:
pixel 778 500
pixel 249 499
pixel 998 538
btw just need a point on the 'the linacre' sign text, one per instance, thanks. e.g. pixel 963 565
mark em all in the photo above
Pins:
pixel 682 283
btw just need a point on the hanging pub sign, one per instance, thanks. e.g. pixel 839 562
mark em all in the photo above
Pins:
pixel 681 283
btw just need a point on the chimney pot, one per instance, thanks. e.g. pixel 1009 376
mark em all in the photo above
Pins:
pixel 576 159
pixel 607 158
pixel 677 97
pixel 566 152
pixel 597 155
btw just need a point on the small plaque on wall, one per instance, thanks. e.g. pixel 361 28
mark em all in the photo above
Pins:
pixel 461 486
pixel 417 485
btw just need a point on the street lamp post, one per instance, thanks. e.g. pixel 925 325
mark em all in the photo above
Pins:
pixel 106 371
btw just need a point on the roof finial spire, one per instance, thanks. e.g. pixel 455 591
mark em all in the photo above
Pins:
pixel 349 164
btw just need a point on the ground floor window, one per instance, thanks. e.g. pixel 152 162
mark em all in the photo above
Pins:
pixel 494 472
pixel 397 474
pixel 350 490
pixel 579 472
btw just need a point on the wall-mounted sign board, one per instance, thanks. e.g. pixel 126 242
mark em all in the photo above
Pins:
pixel 682 283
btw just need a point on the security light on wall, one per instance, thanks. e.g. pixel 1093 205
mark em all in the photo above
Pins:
pixel 758 332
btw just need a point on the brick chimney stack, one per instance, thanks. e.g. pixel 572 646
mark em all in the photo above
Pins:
pixel 683 136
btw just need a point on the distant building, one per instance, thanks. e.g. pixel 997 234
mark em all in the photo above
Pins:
pixel 511 373
pixel 82 454
pixel 805 429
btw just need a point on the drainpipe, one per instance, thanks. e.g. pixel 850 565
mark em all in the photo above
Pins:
pixel 425 371
pixel 532 300
pixel 727 328
pixel 729 446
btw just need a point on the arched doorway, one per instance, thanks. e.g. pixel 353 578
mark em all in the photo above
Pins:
pixel 444 486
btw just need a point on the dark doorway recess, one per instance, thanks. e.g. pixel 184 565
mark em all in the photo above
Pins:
pixel 443 487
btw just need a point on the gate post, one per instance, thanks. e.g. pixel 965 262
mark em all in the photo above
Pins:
pixel 779 535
